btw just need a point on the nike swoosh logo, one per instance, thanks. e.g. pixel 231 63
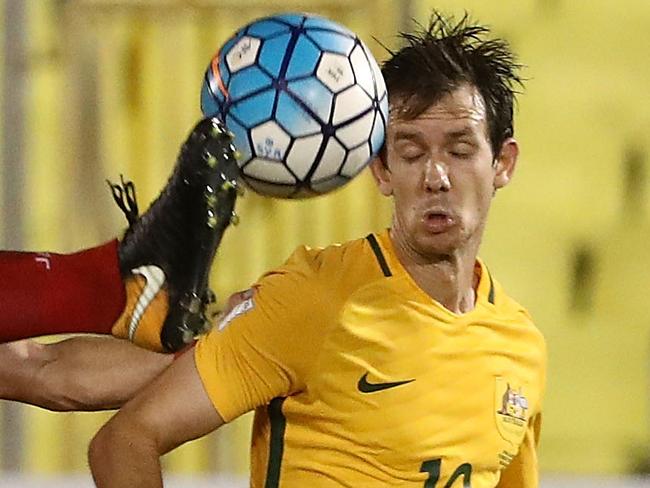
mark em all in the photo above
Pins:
pixel 364 386
pixel 154 279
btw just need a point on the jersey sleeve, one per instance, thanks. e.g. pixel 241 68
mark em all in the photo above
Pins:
pixel 268 349
pixel 523 471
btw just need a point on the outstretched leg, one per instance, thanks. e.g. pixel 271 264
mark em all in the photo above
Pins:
pixel 151 287
pixel 47 293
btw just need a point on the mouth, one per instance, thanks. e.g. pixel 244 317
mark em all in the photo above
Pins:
pixel 438 221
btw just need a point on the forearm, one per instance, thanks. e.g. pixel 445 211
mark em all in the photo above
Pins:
pixel 123 457
pixel 82 373
pixel 173 409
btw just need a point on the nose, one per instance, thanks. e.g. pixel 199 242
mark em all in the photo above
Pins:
pixel 436 177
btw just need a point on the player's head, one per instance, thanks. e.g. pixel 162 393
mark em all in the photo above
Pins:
pixel 445 55
pixel 449 142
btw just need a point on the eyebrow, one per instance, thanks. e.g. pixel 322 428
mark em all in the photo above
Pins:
pixel 401 134
pixel 458 134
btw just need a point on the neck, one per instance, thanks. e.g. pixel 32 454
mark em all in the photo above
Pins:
pixel 447 278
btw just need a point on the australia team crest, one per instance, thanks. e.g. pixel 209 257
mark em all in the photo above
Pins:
pixel 511 410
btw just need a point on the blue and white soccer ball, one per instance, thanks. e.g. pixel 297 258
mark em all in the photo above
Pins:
pixel 305 99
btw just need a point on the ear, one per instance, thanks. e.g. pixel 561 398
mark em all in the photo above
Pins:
pixel 506 163
pixel 382 176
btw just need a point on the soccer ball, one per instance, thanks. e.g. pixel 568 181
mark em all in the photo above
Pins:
pixel 305 100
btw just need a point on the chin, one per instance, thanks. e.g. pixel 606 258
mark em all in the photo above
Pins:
pixel 439 244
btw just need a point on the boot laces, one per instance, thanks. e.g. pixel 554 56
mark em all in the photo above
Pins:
pixel 125 198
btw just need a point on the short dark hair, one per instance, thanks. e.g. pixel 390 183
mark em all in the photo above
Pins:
pixel 447 53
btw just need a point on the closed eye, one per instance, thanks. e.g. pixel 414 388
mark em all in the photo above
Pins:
pixel 410 152
pixel 462 150
pixel 413 156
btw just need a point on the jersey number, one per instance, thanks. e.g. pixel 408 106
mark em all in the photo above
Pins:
pixel 433 468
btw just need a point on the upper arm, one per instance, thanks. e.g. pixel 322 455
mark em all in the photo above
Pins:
pixel 266 348
pixel 261 350
pixel 171 410
pixel 523 471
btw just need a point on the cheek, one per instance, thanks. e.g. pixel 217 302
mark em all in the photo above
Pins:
pixel 478 189
pixel 404 199
pixel 404 183
pixel 484 199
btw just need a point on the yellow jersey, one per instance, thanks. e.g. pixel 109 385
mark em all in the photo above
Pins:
pixel 359 378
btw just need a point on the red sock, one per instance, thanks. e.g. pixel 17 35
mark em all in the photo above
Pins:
pixel 46 293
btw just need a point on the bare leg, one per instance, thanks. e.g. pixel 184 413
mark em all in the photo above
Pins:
pixel 82 373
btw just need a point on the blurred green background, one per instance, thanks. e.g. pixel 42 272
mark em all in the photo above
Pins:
pixel 91 89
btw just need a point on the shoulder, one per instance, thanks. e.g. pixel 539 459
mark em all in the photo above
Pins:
pixel 344 265
pixel 338 254
pixel 515 314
